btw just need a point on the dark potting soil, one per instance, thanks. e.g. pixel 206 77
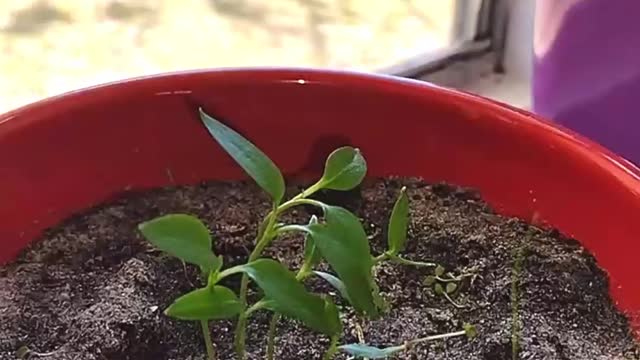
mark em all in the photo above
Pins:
pixel 94 289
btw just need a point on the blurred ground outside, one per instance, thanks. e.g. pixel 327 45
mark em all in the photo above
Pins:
pixel 52 46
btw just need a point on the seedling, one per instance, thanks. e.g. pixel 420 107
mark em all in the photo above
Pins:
pixel 445 284
pixel 372 352
pixel 338 239
pixel 519 255
pixel 24 352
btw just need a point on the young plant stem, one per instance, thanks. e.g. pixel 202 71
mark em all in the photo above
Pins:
pixel 301 196
pixel 257 306
pixel 266 235
pixel 271 336
pixel 333 348
pixel 411 343
pixel 400 260
pixel 360 335
pixel 519 254
pixel 403 261
pixel 516 275
pixel 211 353
pixel 289 228
pixel 455 304
pixel 453 279
pixel 303 273
pixel 26 353
pixel 380 258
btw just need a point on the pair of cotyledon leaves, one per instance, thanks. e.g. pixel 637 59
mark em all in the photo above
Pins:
pixel 340 240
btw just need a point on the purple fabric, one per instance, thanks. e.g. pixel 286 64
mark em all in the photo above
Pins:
pixel 589 78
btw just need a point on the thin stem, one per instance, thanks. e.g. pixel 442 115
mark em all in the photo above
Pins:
pixel 453 279
pixel 516 274
pixel 304 272
pixel 299 201
pixel 458 306
pixel 271 336
pixel 230 271
pixel 257 306
pixel 26 353
pixel 434 337
pixel 360 335
pixel 305 193
pixel 400 260
pixel 289 228
pixel 241 326
pixel 380 258
pixel 263 238
pixel 333 348
pixel 211 353
pixel 403 261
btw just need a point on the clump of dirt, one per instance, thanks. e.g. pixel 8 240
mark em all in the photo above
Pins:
pixel 92 288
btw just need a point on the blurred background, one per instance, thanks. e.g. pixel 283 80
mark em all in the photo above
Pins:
pixel 53 46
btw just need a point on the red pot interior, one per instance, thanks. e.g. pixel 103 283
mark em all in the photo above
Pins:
pixel 65 154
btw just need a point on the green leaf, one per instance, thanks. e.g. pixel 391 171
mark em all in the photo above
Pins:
pixel 398 224
pixel 311 253
pixel 344 245
pixel 451 287
pixel 184 237
pixel 23 352
pixel 371 352
pixel 216 302
pixel 289 297
pixel 254 162
pixel 344 170
pixel 335 282
pixel 430 280
pixel 439 290
pixel 439 271
pixel 470 330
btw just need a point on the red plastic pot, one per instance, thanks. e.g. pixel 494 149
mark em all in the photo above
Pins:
pixel 67 153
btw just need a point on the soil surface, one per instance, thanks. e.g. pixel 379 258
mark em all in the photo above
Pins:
pixel 92 288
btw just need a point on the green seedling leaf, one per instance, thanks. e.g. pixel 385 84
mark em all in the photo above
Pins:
pixel 398 224
pixel 470 330
pixel 184 237
pixel 344 245
pixel 214 302
pixel 371 352
pixel 430 280
pixel 254 162
pixel 438 289
pixel 344 170
pixel 451 288
pixel 439 271
pixel 23 352
pixel 335 282
pixel 311 253
pixel 288 297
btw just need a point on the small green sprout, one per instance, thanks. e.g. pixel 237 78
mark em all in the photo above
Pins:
pixel 445 284
pixel 337 238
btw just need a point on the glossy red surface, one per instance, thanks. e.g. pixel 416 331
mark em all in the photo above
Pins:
pixel 65 154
